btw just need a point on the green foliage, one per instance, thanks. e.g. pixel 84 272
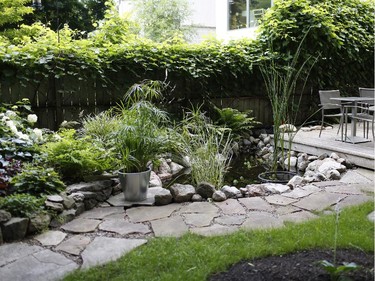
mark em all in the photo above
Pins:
pixel 37 181
pixel 12 11
pixel 22 205
pixel 334 30
pixel 337 272
pixel 207 146
pixel 75 157
pixel 238 122
pixel 142 135
pixel 163 19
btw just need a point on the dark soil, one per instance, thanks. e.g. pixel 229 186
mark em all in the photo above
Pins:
pixel 298 266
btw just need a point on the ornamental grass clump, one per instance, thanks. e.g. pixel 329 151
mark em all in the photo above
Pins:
pixel 208 148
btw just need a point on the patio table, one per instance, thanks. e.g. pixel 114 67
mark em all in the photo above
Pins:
pixel 354 100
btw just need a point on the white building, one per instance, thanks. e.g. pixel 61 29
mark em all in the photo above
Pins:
pixel 224 19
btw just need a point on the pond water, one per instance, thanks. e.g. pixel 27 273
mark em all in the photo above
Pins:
pixel 243 170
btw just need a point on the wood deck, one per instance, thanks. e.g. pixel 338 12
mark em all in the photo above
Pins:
pixel 360 154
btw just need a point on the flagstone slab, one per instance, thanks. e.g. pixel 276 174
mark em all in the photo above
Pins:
pixel 352 200
pixel 319 201
pixel 142 214
pixel 371 216
pixel 280 200
pixel 345 189
pixel 74 245
pixel 230 220
pixel 123 227
pixel 231 206
pixel 199 207
pixel 171 227
pixel 256 203
pixel 50 238
pixel 214 230
pixel 104 249
pixel 13 251
pixel 119 201
pixel 284 210
pixel 81 225
pixel 199 220
pixel 262 220
pixel 100 213
pixel 42 265
pixel 298 193
pixel 352 176
pixel 299 216
pixel 311 188
pixel 120 216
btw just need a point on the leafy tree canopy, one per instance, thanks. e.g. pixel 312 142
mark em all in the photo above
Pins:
pixel 164 19
pixel 12 11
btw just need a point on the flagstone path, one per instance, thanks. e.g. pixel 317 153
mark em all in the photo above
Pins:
pixel 108 232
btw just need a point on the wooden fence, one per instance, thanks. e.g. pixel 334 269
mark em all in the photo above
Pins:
pixel 56 100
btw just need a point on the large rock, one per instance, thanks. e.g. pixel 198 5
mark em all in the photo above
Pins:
pixel 154 180
pixel 55 198
pixel 14 229
pixel 4 216
pixel 175 168
pixel 231 191
pixel 94 186
pixel 58 207
pixel 162 195
pixel 257 190
pixel 205 189
pixel 182 192
pixel 77 196
pixel 164 168
pixel 68 202
pixel 295 182
pixel 38 223
pixel 219 196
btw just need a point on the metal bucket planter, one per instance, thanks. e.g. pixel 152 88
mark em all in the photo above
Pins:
pixel 135 185
pixel 276 177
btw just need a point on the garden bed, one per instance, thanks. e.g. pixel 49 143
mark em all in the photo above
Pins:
pixel 298 266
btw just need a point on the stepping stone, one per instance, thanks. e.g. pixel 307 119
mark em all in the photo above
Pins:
pixel 119 201
pixel 104 249
pixel 299 216
pixel 81 225
pixel 123 228
pixel 352 176
pixel 284 210
pixel 74 245
pixel 14 251
pixel 199 220
pixel 172 227
pixel 262 220
pixel 230 220
pixel 100 213
pixel 280 200
pixel 199 207
pixel 256 203
pixel 214 230
pixel 297 193
pixel 347 189
pixel 51 238
pixel 115 217
pixel 352 200
pixel 41 265
pixel 311 188
pixel 142 214
pixel 319 201
pixel 231 206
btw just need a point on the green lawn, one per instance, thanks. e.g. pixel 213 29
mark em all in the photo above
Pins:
pixel 193 257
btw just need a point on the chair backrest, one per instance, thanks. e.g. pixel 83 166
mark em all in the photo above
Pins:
pixel 367 93
pixel 325 99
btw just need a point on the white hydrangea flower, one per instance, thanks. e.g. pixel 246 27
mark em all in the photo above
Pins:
pixel 38 133
pixel 10 113
pixel 32 118
pixel 5 118
pixel 56 137
pixel 22 136
pixel 11 126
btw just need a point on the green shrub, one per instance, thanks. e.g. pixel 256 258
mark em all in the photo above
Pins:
pixel 37 181
pixel 22 205
pixel 75 157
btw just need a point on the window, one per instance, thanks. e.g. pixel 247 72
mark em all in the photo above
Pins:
pixel 246 13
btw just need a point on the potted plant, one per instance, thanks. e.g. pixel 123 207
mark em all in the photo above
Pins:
pixel 141 138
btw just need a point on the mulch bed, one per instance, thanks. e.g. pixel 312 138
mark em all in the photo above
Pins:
pixel 298 266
